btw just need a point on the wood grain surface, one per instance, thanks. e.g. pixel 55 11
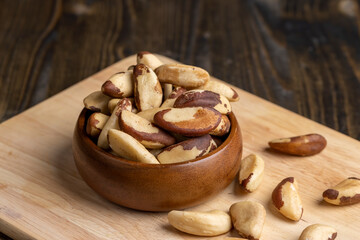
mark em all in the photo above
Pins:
pixel 42 196
pixel 303 55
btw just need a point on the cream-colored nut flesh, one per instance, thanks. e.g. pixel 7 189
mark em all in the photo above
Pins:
pixel 168 103
pixel 203 98
pixel 251 172
pixel 190 121
pixel 318 232
pixel 112 103
pixel 95 124
pixel 167 89
pixel 148 92
pixel 148 59
pixel 97 102
pixel 187 150
pixel 222 89
pixel 223 127
pixel 248 218
pixel 287 200
pixel 113 122
pixel 211 223
pixel 304 145
pixel 182 75
pixel 128 147
pixel 144 131
pixel 345 193
pixel 119 85
pixel 149 114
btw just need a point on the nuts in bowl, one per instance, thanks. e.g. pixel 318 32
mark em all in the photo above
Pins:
pixel 146 156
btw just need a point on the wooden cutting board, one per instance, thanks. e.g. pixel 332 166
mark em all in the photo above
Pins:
pixel 42 195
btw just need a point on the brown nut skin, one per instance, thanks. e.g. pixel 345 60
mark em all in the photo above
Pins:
pixel 203 98
pixel 191 122
pixel 286 199
pixel 95 124
pixel 345 193
pixel 144 131
pixel 182 75
pixel 187 150
pixel 304 145
pixel 148 92
pixel 118 85
pixel 318 232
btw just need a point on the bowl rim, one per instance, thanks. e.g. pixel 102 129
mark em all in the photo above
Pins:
pixel 115 160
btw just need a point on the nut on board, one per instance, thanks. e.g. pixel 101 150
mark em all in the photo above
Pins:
pixel 304 145
pixel 345 193
pixel 286 199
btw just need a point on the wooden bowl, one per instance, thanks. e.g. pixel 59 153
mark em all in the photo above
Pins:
pixel 156 187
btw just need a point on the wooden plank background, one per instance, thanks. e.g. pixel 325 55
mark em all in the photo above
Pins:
pixel 303 55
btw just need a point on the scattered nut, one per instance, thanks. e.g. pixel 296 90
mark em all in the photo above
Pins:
pixel 345 193
pixel 192 121
pixel 119 85
pixel 248 218
pixel 318 232
pixel 148 59
pixel 112 122
pixel 211 223
pixel 304 145
pixel 128 147
pixel 97 102
pixel 287 200
pixel 187 150
pixel 251 172
pixel 222 89
pixel 95 124
pixel 182 75
pixel 144 131
pixel 203 98
pixel 223 127
pixel 148 91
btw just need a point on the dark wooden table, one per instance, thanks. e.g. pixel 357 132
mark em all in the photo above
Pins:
pixel 301 54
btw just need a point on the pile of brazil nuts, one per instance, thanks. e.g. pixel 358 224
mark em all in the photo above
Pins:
pixel 166 113
pixel 160 113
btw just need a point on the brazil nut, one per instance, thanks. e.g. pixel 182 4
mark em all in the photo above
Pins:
pixel 190 121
